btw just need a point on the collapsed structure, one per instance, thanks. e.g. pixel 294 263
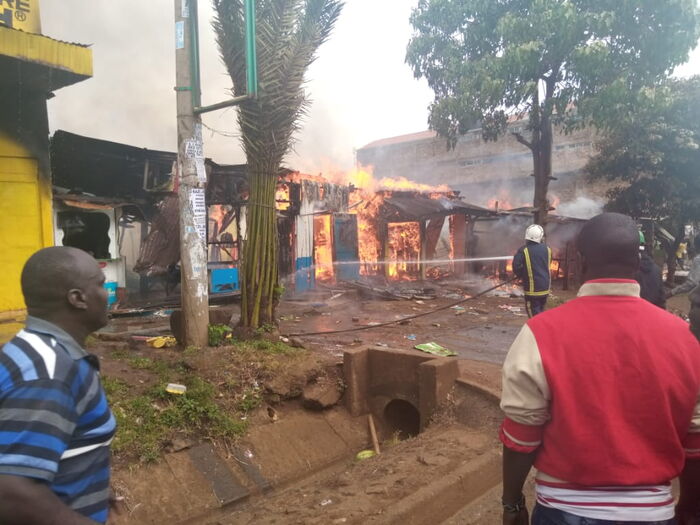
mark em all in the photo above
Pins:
pixel 119 203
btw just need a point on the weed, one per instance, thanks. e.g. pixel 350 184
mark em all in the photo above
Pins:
pixel 218 334
pixel 145 422
pixel 190 351
pixel 141 363
pixel 250 400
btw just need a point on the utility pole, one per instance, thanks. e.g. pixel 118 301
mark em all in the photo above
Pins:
pixel 191 179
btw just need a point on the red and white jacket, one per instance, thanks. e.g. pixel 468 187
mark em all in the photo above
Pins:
pixel 606 388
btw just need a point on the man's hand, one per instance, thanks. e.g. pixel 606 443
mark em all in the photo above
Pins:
pixel 518 518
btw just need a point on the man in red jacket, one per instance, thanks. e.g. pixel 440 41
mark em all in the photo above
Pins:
pixel 602 395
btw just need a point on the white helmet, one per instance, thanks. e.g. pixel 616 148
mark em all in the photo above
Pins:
pixel 534 233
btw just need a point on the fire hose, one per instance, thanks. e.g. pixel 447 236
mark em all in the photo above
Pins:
pixel 410 317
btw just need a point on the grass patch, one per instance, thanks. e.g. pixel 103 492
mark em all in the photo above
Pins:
pixel 146 422
pixel 224 385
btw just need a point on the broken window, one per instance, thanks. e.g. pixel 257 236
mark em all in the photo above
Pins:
pixel 88 231
pixel 222 236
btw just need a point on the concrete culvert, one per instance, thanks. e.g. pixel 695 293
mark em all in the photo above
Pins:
pixel 402 418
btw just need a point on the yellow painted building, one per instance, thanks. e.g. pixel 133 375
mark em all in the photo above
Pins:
pixel 32 67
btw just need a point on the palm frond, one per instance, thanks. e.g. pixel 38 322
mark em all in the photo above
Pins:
pixel 289 33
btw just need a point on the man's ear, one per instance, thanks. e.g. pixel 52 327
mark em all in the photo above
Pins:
pixel 76 298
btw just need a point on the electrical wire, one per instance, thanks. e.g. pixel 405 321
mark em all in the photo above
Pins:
pixel 403 319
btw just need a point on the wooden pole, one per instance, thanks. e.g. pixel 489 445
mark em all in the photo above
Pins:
pixel 373 433
pixel 192 179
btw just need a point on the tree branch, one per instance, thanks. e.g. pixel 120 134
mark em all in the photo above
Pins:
pixel 519 137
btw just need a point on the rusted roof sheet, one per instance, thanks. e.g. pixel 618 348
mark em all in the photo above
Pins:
pixel 161 248
pixel 409 208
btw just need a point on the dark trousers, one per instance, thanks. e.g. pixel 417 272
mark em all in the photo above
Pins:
pixel 546 516
pixel 535 305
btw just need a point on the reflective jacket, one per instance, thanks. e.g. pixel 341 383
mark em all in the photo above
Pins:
pixel 531 265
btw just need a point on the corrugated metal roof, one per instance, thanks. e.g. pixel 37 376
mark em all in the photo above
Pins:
pixel 409 208
pixel 70 63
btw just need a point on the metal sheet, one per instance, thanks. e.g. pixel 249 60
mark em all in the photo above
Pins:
pixel 345 247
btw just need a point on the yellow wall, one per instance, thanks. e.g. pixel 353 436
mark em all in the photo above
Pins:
pixel 22 15
pixel 25 208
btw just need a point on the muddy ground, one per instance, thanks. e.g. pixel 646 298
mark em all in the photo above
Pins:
pixel 257 385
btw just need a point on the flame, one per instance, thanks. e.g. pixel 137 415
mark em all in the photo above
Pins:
pixel 282 196
pixel 554 267
pixel 323 248
pixel 403 242
pixel 403 250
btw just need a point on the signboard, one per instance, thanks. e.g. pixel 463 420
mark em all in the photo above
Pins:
pixel 20 14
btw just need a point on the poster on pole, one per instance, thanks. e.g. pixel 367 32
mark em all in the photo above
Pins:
pixel 199 211
pixel 180 35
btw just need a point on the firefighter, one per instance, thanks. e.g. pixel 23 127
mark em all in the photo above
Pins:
pixel 531 265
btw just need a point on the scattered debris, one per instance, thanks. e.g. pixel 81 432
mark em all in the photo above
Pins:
pixel 435 349
pixel 174 388
pixel 383 345
pixel 324 393
pixel 272 414
pixel 373 433
pixel 326 502
pixel 410 337
pixel 295 342
pixel 365 454
pixel 161 342
pixel 355 319
pixel 436 325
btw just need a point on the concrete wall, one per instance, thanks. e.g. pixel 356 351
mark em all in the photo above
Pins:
pixel 375 377
pixel 485 170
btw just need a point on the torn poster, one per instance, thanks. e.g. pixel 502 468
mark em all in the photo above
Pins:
pixel 199 211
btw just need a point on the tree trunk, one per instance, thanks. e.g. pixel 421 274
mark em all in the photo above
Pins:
pixel 543 170
pixel 259 283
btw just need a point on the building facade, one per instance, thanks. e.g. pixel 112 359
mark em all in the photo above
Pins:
pixel 485 172
pixel 32 67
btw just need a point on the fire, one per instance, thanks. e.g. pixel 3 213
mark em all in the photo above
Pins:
pixel 368 243
pixel 323 248
pixel 282 196
pixel 403 250
pixel 554 269
pixel 403 242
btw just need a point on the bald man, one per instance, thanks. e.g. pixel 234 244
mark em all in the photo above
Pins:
pixel 55 424
pixel 602 395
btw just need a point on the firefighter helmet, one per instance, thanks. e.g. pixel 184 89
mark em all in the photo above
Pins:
pixel 534 233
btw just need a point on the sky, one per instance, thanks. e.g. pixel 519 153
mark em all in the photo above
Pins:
pixel 360 86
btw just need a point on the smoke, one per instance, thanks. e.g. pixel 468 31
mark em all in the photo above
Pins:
pixel 360 87
pixel 582 207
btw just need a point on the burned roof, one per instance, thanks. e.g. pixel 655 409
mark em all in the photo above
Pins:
pixel 104 168
pixel 410 207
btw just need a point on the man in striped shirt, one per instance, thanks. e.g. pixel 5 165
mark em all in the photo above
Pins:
pixel 602 395
pixel 55 423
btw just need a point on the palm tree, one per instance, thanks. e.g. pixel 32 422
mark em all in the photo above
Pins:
pixel 289 33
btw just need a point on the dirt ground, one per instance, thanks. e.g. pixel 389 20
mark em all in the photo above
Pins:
pixel 248 384
pixel 362 491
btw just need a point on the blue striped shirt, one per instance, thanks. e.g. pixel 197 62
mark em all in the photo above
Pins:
pixel 55 423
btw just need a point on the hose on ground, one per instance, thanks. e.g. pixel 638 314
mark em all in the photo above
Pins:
pixel 408 318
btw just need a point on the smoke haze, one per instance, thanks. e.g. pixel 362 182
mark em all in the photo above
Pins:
pixel 360 87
